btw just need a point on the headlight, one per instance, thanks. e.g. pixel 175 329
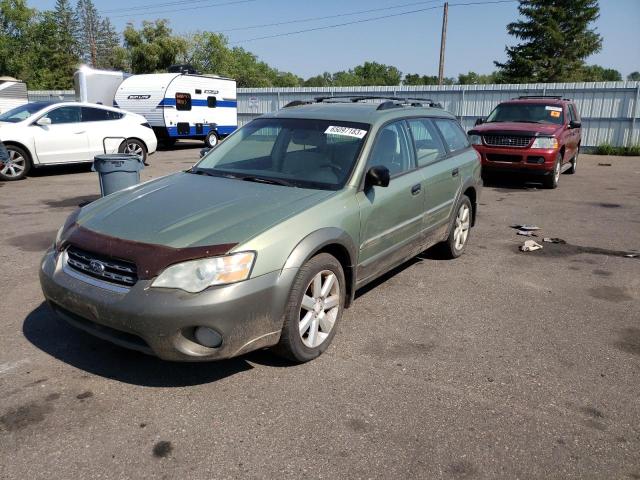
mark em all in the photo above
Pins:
pixel 196 275
pixel 475 139
pixel 545 142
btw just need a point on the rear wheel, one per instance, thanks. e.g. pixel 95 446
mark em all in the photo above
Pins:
pixel 314 309
pixel 551 181
pixel 456 243
pixel 17 166
pixel 134 147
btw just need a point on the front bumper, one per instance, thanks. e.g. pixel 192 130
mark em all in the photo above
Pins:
pixel 524 160
pixel 248 315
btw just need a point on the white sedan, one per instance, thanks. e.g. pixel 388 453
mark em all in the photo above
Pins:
pixel 46 133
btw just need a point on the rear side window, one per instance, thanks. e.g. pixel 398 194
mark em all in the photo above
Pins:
pixel 429 147
pixel 99 115
pixel 183 101
pixel 453 135
pixel 574 112
pixel 64 115
pixel 212 102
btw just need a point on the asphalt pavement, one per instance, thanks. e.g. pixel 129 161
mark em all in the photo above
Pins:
pixel 497 365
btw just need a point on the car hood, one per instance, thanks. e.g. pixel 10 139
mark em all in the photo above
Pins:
pixel 532 129
pixel 187 210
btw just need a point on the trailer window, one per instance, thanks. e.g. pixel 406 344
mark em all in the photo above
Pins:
pixel 212 102
pixel 183 101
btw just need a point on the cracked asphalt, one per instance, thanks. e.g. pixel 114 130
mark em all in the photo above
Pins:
pixel 498 365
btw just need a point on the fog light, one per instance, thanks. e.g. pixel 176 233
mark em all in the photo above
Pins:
pixel 208 337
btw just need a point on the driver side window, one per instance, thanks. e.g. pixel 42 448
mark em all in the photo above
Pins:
pixel 61 115
pixel 392 150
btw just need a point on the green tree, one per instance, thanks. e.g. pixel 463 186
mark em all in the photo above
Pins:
pixel 555 37
pixel 16 22
pixel 415 79
pixel 596 73
pixel 634 77
pixel 110 54
pixel 90 27
pixel 473 78
pixel 373 73
pixel 324 80
pixel 153 48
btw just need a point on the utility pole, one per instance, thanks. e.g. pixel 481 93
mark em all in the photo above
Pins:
pixel 443 41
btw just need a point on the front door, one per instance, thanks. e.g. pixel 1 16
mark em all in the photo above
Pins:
pixel 390 217
pixel 65 140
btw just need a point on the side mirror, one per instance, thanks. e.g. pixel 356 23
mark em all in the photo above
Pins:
pixel 574 124
pixel 479 121
pixel 44 121
pixel 377 176
pixel 204 151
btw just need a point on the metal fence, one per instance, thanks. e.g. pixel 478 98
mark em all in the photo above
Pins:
pixel 610 111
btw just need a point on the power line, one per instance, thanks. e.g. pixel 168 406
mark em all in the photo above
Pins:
pixel 354 22
pixel 161 12
pixel 312 19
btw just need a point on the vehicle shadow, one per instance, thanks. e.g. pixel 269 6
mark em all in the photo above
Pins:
pixel 181 145
pixel 53 170
pixel 54 336
pixel 515 181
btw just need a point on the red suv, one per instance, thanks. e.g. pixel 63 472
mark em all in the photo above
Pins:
pixel 531 134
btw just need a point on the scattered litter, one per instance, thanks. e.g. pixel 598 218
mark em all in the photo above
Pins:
pixel 632 255
pixel 554 240
pixel 530 246
pixel 604 164
pixel 526 233
pixel 525 227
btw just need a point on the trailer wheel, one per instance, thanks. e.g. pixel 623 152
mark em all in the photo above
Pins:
pixel 212 139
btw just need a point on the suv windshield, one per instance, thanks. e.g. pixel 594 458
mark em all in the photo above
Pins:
pixel 527 113
pixel 22 112
pixel 294 152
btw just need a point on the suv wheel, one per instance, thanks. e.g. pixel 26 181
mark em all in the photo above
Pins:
pixel 455 245
pixel 315 307
pixel 551 181
pixel 17 166
pixel 574 163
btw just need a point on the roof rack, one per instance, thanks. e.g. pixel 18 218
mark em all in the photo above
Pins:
pixel 391 101
pixel 556 97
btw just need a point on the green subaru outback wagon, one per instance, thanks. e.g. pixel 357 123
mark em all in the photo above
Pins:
pixel 264 242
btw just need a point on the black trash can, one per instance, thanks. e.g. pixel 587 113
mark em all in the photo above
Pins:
pixel 117 171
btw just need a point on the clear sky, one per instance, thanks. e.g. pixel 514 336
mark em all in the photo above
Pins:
pixel 476 34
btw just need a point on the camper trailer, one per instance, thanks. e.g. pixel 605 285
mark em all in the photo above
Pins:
pixel 179 105
pixel 97 86
pixel 13 93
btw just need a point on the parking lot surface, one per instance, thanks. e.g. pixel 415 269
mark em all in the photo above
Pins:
pixel 499 364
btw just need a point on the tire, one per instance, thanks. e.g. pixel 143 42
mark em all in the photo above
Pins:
pixel 212 139
pixel 318 315
pixel 574 163
pixel 551 181
pixel 131 145
pixel 18 165
pixel 456 243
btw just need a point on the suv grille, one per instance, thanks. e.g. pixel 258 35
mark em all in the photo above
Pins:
pixel 103 268
pixel 507 141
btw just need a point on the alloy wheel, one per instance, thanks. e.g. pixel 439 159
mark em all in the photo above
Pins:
pixel 135 149
pixel 556 171
pixel 461 230
pixel 319 309
pixel 15 165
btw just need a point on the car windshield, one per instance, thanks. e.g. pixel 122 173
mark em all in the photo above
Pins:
pixel 294 152
pixel 527 113
pixel 22 112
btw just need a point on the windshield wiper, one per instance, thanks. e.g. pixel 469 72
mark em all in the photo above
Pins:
pixel 271 181
pixel 213 173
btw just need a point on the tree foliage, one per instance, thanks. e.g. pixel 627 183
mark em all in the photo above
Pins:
pixel 555 38
pixel 634 76
pixel 153 48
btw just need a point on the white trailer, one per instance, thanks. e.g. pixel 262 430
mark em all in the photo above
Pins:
pixel 181 105
pixel 13 93
pixel 97 86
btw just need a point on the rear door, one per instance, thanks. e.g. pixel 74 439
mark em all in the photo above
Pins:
pixel 391 217
pixel 101 126
pixel 65 140
pixel 573 138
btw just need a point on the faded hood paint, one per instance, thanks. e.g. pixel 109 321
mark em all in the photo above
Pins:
pixel 187 210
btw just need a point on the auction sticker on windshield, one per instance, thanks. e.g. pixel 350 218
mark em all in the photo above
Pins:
pixel 345 131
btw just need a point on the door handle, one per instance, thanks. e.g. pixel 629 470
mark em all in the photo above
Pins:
pixel 415 190
pixel 455 172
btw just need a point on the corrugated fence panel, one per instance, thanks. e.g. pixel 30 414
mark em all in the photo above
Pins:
pixel 609 110
pixel 52 95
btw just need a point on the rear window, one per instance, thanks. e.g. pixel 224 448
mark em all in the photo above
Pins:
pixel 453 135
pixel 99 115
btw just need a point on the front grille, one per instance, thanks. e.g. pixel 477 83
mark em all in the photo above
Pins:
pixel 101 267
pixel 498 157
pixel 507 141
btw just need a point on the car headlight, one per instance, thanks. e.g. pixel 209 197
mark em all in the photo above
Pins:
pixel 545 142
pixel 475 139
pixel 196 275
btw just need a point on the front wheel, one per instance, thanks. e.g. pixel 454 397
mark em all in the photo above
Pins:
pixel 134 147
pixel 314 309
pixel 551 181
pixel 16 166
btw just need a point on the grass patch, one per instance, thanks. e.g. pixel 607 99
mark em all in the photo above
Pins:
pixel 606 149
